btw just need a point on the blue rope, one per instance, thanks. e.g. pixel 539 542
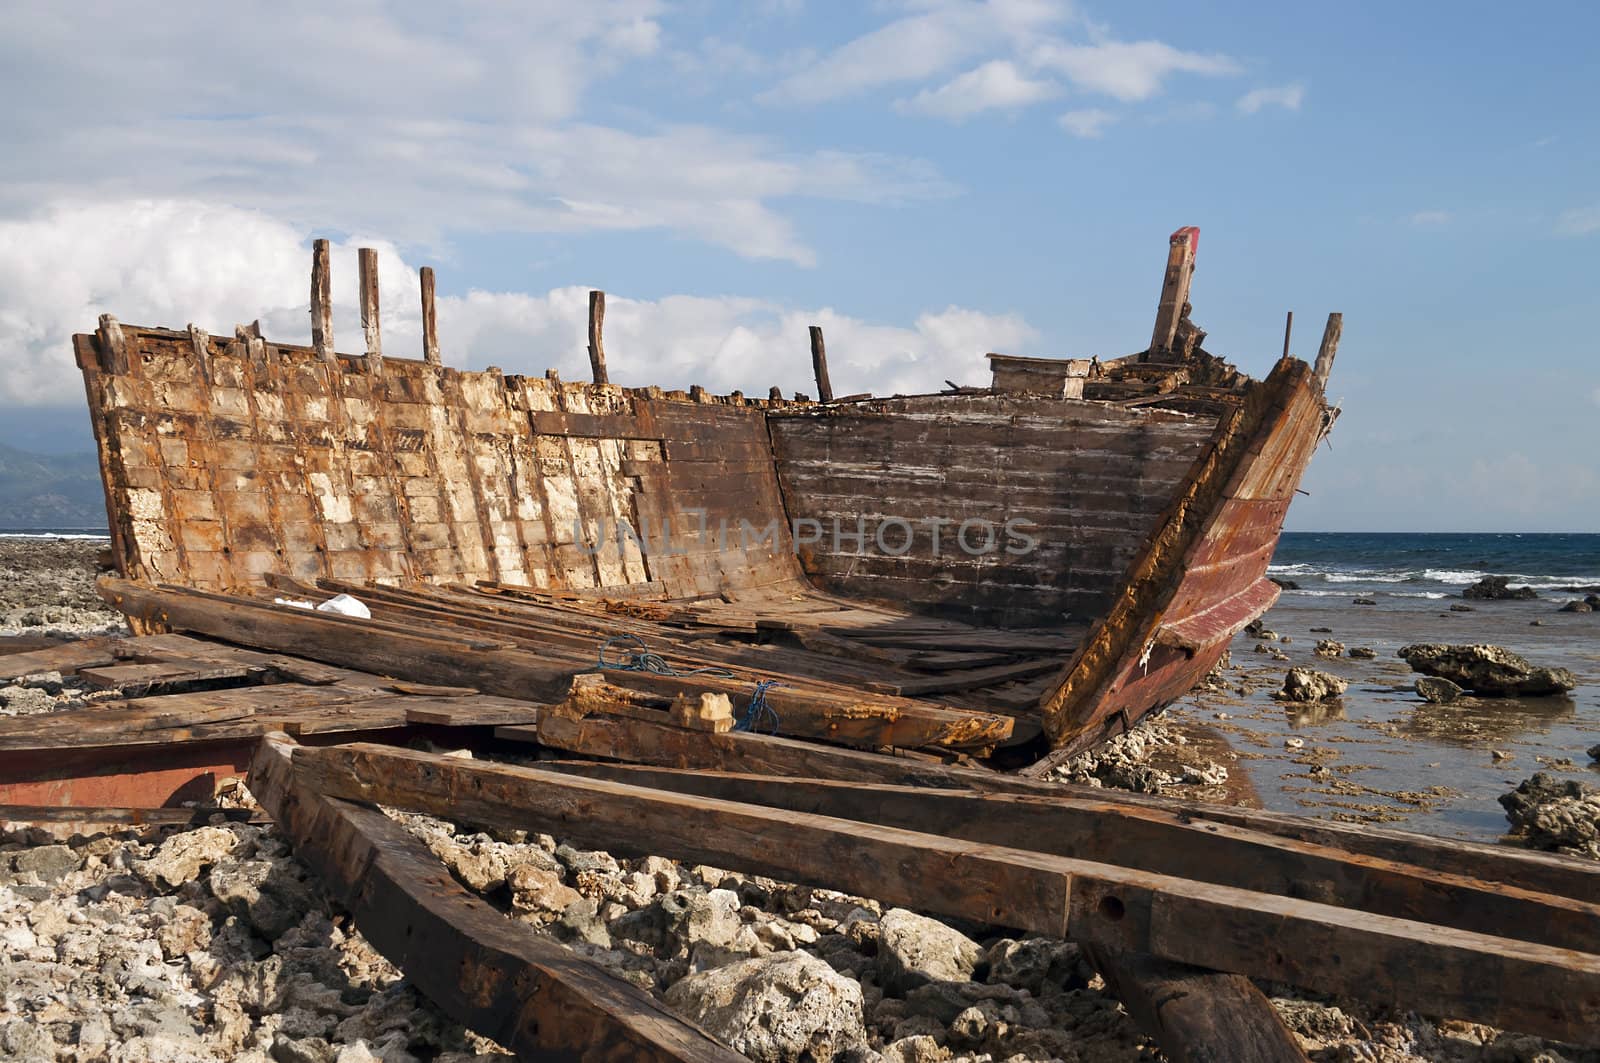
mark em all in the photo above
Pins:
pixel 758 711
pixel 756 715
pixel 642 660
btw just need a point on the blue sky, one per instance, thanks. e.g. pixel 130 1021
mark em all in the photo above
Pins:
pixel 929 179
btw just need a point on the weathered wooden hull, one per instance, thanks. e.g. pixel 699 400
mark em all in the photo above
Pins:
pixel 1202 577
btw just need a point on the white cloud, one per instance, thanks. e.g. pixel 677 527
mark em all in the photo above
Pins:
pixel 1127 70
pixel 172 262
pixel 1089 122
pixel 1289 97
pixel 1432 217
pixel 1595 395
pixel 937 37
pixel 997 84
pixel 377 118
pixel 1579 221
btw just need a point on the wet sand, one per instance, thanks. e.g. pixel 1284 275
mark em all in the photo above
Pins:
pixel 1382 754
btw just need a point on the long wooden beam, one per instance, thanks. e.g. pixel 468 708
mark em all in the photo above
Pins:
pixel 483 969
pixel 1152 839
pixel 650 743
pixel 1517 985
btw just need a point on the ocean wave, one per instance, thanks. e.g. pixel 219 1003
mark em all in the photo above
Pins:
pixel 1451 577
pixel 55 535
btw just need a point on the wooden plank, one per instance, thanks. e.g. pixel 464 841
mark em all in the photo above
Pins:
pixel 322 303
pixel 144 676
pixel 1157 840
pixel 819 365
pixel 1329 348
pixel 1516 985
pixel 976 678
pixel 430 320
pixel 294 669
pixel 486 971
pixel 370 328
pixel 645 743
pixel 65 657
pixel 597 327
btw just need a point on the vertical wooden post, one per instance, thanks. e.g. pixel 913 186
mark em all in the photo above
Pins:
pixel 1288 327
pixel 819 365
pixel 114 354
pixel 321 301
pixel 430 324
pixel 1181 250
pixel 597 346
pixel 1330 347
pixel 369 305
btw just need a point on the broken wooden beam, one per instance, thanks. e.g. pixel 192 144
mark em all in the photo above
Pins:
pixel 480 967
pixel 1181 249
pixel 321 301
pixel 430 321
pixel 1331 334
pixel 65 657
pixel 1517 985
pixel 819 365
pixel 369 307
pixel 658 744
pixel 1197 1015
pixel 1156 840
pixel 597 343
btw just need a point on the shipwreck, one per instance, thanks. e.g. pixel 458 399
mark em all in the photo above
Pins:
pixel 838 641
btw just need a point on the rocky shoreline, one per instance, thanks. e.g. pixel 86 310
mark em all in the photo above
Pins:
pixel 214 942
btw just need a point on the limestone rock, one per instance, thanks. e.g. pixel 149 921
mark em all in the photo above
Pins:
pixel 183 856
pixel 537 889
pixel 1494 588
pixel 1561 815
pixel 914 950
pixel 1577 606
pixel 1437 690
pixel 271 894
pixel 1308 684
pixel 1363 653
pixel 1457 607
pixel 1329 648
pixel 1487 670
pixel 1034 963
pixel 49 862
pixel 782 1008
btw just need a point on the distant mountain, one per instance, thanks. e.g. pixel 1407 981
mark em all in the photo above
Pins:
pixel 50 490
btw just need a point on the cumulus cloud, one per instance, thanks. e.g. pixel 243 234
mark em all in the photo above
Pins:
pixel 374 117
pixel 1579 221
pixel 172 262
pixel 994 85
pixel 1289 97
pixel 1089 122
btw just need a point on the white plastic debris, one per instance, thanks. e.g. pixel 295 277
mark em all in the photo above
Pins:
pixel 298 603
pixel 345 605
